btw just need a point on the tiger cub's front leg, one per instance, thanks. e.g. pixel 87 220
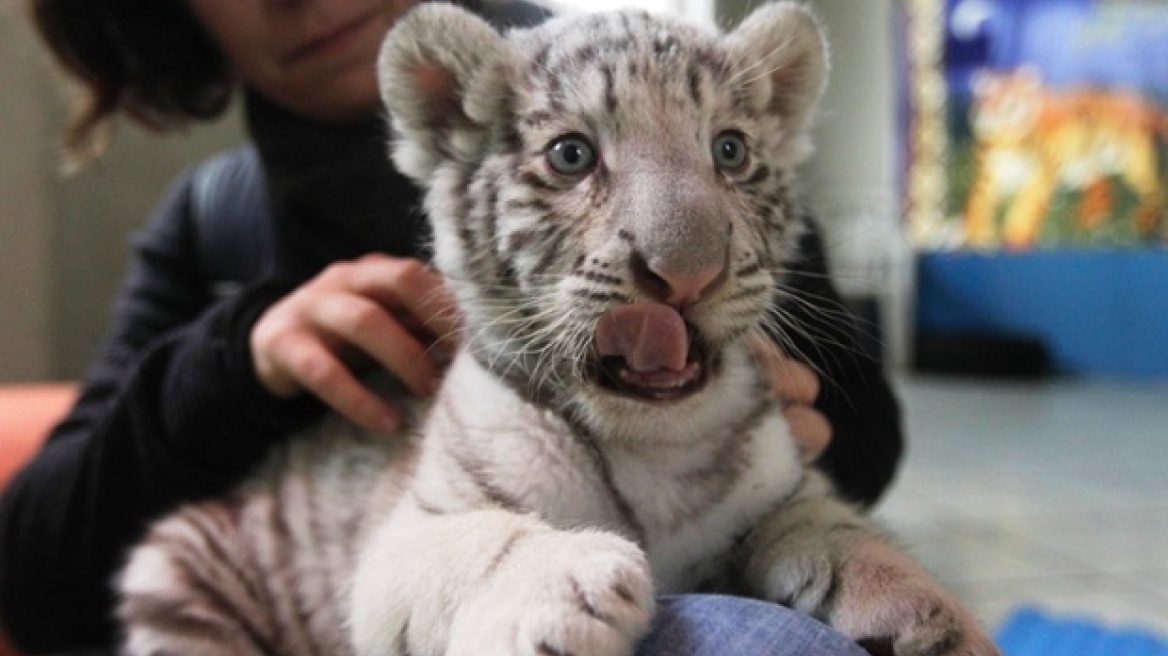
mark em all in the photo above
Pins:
pixel 499 583
pixel 820 557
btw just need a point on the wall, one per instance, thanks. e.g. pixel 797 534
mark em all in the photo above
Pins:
pixel 64 242
pixel 94 217
pixel 852 180
pixel 24 225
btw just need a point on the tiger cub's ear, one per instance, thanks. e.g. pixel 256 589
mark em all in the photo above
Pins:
pixel 442 79
pixel 780 50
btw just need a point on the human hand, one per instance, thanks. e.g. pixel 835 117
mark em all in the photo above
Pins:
pixel 797 387
pixel 375 311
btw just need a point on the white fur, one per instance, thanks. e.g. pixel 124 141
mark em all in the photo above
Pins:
pixel 697 550
pixel 534 452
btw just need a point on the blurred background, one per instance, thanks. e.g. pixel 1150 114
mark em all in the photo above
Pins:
pixel 992 180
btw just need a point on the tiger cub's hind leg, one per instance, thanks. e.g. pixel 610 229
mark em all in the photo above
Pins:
pixel 820 557
pixel 185 593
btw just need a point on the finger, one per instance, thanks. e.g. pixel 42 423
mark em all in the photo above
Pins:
pixel 410 286
pixel 363 324
pixel 794 382
pixel 811 430
pixel 320 373
pixel 791 381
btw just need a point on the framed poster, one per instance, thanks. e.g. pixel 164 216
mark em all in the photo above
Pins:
pixel 1036 123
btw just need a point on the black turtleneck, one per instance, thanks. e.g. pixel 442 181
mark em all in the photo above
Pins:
pixel 171 410
pixel 335 190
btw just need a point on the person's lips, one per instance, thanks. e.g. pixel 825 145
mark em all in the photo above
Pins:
pixel 329 41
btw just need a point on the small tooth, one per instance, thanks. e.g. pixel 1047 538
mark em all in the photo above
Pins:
pixel 670 385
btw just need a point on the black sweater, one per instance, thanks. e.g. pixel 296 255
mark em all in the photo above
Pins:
pixel 172 412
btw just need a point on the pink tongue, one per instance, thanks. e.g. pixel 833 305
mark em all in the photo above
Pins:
pixel 649 336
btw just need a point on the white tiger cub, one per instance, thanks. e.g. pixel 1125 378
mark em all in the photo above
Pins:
pixel 611 201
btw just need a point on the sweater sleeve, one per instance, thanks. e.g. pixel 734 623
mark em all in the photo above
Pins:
pixel 856 397
pixel 170 412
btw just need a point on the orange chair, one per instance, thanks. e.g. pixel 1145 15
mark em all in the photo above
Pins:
pixel 27 413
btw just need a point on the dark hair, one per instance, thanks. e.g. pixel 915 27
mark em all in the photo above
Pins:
pixel 147 58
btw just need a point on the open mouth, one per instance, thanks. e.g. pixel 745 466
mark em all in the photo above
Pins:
pixel 648 352
pixel 614 374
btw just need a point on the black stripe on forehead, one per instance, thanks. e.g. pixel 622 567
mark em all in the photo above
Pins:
pixel 610 101
pixel 666 45
pixel 605 35
pixel 628 48
pixel 695 84
pixel 568 63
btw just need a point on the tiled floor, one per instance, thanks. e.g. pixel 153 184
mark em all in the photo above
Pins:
pixel 1048 494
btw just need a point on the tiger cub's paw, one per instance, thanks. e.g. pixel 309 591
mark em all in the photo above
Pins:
pixel 565 594
pixel 891 606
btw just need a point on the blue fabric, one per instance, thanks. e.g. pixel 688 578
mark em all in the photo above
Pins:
pixel 710 625
pixel 1030 632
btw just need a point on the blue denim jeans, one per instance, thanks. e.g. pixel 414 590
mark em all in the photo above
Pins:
pixel 710 625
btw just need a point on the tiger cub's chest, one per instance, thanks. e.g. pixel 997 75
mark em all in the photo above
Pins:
pixel 684 499
pixel 693 503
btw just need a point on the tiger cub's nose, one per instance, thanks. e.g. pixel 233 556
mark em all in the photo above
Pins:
pixel 678 287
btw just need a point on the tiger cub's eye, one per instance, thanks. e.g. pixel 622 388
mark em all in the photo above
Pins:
pixel 571 155
pixel 729 151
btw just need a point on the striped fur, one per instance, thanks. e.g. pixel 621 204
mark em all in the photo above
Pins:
pixel 542 503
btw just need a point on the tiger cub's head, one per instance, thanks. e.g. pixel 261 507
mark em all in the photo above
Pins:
pixel 610 196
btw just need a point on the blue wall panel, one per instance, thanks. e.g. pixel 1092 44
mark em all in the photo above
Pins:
pixel 1098 312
